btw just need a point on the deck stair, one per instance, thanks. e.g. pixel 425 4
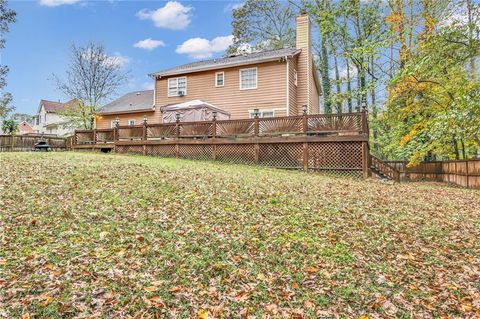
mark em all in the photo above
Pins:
pixel 383 170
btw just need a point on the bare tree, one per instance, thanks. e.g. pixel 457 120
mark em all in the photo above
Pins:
pixel 91 78
pixel 263 24
pixel 7 16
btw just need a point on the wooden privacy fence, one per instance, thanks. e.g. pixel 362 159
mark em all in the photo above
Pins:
pixel 465 173
pixel 13 143
pixel 327 142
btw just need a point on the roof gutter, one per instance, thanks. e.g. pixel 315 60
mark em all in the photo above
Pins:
pixel 215 67
pixel 126 111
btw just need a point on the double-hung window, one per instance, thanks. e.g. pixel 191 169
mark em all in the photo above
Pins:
pixel 131 122
pixel 262 113
pixel 177 86
pixel 113 124
pixel 248 79
pixel 219 79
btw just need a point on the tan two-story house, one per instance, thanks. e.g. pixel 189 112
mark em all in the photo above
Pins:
pixel 275 82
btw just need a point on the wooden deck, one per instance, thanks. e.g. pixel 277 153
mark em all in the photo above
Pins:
pixel 323 142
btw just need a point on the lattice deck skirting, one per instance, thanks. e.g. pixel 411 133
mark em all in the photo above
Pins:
pixel 334 157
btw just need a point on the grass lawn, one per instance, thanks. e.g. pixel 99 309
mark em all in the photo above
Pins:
pixel 110 236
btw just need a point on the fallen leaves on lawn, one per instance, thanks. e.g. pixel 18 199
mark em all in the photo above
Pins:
pixel 110 236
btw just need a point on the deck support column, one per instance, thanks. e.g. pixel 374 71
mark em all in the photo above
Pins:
pixel 365 160
pixel 305 157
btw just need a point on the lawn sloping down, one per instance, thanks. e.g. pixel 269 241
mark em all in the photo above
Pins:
pixel 109 236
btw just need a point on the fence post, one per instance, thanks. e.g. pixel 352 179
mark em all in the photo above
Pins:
pixel 466 172
pixel 12 142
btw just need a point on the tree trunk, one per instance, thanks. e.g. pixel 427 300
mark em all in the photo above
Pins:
pixel 471 39
pixel 349 87
pixel 337 83
pixel 326 85
pixel 455 146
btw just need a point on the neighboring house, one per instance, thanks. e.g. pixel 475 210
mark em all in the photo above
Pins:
pixel 130 109
pixel 276 82
pixel 49 119
pixel 25 128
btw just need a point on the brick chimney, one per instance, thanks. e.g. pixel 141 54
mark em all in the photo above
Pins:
pixel 304 64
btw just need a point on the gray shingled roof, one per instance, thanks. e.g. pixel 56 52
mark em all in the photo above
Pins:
pixel 131 102
pixel 228 61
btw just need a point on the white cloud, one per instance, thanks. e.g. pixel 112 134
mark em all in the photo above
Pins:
pixel 199 48
pixel 115 59
pixel 55 3
pixel 352 71
pixel 173 16
pixel 149 44
pixel 118 59
pixel 233 6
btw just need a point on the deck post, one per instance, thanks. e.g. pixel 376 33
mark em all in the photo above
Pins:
pixel 365 160
pixel 144 135
pixel 256 124
pixel 305 156
pixel 214 124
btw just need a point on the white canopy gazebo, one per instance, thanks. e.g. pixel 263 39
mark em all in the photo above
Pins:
pixel 192 111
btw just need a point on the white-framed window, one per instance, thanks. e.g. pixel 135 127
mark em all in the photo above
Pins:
pixel 261 113
pixel 219 79
pixel 248 79
pixel 295 77
pixel 131 122
pixel 113 124
pixel 177 86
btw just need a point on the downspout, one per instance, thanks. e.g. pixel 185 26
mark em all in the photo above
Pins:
pixel 288 86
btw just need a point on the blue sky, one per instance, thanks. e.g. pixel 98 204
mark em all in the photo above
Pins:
pixel 145 36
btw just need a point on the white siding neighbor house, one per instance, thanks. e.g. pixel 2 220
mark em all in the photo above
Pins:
pixel 49 119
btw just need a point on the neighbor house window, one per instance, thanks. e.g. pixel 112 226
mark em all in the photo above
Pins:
pixel 219 79
pixel 248 79
pixel 177 86
pixel 131 122
pixel 262 113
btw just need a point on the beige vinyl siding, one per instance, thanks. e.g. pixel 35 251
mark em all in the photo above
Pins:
pixel 269 94
pixel 104 121
pixel 292 87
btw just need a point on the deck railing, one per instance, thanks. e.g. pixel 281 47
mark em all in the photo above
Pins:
pixel 385 169
pixel 318 124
